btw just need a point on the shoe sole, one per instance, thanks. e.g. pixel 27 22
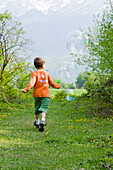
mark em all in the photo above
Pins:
pixel 37 126
pixel 41 127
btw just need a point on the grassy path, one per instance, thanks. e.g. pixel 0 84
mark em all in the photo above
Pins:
pixel 70 140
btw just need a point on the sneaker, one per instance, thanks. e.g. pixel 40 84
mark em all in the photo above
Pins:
pixel 41 126
pixel 35 124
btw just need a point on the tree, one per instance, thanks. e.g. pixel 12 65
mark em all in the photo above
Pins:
pixel 100 43
pixel 80 80
pixel 84 77
pixel 12 43
pixel 101 53
pixel 100 58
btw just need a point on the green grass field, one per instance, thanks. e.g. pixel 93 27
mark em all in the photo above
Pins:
pixel 71 140
pixel 77 92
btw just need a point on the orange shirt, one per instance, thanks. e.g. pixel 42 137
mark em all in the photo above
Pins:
pixel 40 81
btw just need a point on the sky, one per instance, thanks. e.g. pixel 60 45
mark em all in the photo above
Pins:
pixel 49 22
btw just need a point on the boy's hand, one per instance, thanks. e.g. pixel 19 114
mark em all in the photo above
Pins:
pixel 59 86
pixel 58 81
pixel 23 91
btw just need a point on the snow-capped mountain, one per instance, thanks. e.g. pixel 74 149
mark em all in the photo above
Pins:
pixel 20 7
pixel 49 22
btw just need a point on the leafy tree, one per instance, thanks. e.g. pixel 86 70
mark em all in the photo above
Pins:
pixel 65 85
pixel 100 58
pixel 99 44
pixel 12 44
pixel 80 80
pixel 84 77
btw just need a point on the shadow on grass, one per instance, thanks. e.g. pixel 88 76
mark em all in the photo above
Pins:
pixel 58 141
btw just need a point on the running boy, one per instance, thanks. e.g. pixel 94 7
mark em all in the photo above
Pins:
pixel 40 81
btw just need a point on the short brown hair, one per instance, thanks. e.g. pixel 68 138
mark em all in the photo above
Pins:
pixel 38 62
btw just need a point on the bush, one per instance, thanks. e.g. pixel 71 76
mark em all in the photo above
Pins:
pixel 59 95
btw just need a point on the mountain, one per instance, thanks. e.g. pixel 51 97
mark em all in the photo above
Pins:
pixel 48 7
pixel 49 22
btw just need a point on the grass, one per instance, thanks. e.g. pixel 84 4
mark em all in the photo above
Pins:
pixel 71 140
pixel 77 92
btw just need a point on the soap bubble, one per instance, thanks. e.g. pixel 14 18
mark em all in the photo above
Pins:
pixel 67 71
pixel 76 43
pixel 69 95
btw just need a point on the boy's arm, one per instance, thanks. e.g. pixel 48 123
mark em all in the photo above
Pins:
pixel 52 84
pixel 31 83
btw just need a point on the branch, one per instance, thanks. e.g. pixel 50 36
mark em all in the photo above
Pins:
pixel 5 98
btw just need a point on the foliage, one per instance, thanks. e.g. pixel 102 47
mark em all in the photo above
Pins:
pixel 100 57
pixel 59 95
pixel 93 106
pixel 12 43
pixel 65 85
pixel 83 77
pixel 68 85
pixel 23 81
pixel 100 89
pixel 99 45
pixel 80 80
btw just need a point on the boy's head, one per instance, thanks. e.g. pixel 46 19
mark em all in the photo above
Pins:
pixel 39 62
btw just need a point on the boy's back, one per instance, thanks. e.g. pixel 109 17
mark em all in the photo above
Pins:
pixel 41 80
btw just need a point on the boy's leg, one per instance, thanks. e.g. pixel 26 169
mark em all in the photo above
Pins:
pixel 43 116
pixel 36 112
pixel 42 123
pixel 37 116
pixel 37 121
pixel 44 105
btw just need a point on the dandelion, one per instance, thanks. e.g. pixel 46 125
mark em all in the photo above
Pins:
pixel 93 140
pixel 108 138
pixel 47 132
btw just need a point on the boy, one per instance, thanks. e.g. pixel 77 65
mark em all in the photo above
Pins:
pixel 40 81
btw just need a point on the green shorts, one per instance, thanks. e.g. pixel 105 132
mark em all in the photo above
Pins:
pixel 41 104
